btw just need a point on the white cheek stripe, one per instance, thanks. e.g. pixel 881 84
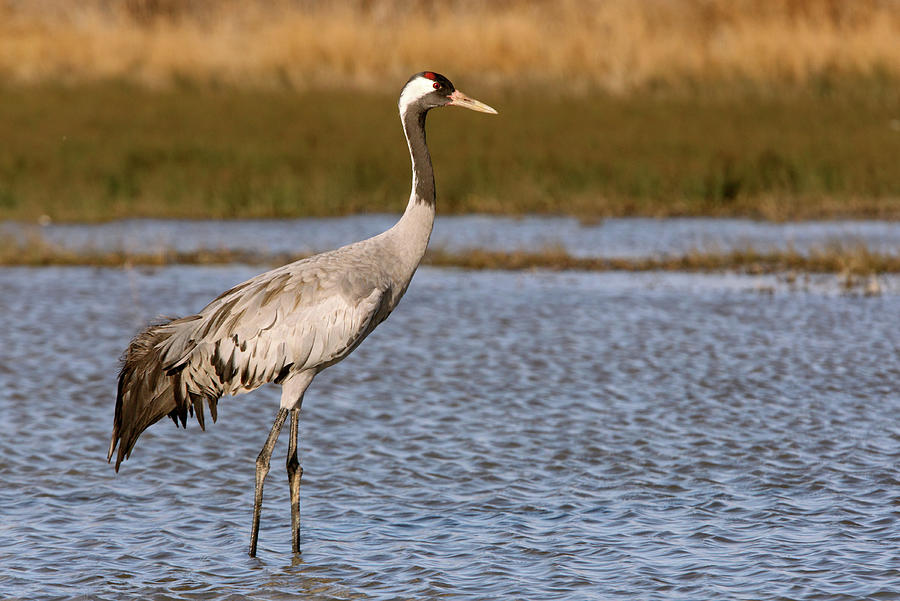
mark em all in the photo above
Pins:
pixel 413 91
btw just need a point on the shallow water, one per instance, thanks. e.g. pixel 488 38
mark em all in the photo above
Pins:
pixel 501 436
pixel 609 238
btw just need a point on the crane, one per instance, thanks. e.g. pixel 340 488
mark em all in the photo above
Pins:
pixel 285 325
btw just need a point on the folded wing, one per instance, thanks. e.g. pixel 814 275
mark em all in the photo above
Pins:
pixel 304 316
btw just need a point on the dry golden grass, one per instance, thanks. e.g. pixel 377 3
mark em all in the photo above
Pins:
pixel 614 45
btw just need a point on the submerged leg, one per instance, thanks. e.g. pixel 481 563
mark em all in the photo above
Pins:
pixel 295 472
pixel 262 468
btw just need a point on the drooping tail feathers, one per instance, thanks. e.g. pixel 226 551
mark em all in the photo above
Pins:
pixel 147 391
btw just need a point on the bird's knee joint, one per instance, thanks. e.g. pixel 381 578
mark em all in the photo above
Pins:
pixel 293 465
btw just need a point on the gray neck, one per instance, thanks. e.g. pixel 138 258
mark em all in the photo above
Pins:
pixel 423 174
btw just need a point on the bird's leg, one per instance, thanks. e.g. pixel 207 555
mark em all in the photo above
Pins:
pixel 295 472
pixel 262 468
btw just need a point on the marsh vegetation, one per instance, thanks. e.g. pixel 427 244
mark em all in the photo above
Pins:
pixel 772 110
pixel 105 151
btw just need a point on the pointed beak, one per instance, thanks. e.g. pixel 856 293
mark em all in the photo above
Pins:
pixel 457 98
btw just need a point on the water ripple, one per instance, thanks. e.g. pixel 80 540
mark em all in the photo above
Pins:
pixel 503 435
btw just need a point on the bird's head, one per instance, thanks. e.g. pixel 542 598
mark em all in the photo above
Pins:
pixel 428 90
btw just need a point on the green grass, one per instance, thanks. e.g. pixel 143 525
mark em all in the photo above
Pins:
pixel 107 151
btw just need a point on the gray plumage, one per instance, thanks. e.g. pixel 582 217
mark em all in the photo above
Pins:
pixel 301 317
pixel 285 325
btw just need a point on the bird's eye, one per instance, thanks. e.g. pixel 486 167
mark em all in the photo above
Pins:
pixel 435 85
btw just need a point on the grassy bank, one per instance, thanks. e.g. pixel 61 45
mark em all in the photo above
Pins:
pixel 112 150
pixel 768 109
pixel 849 261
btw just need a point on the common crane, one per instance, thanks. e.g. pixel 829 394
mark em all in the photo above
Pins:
pixel 288 324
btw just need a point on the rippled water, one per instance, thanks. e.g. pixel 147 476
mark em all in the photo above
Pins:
pixel 502 436
pixel 610 238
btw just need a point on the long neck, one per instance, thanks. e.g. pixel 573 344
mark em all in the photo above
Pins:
pixel 422 172
pixel 412 232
